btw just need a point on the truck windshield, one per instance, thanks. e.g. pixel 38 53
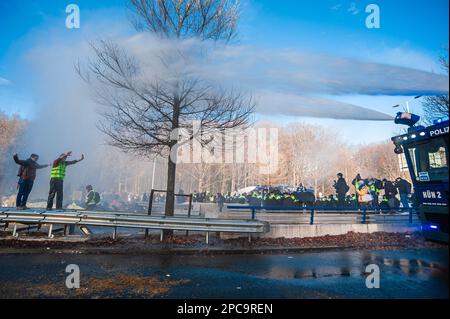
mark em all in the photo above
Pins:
pixel 430 159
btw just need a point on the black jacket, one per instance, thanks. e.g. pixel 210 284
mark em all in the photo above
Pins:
pixel 404 187
pixel 390 189
pixel 341 186
pixel 27 170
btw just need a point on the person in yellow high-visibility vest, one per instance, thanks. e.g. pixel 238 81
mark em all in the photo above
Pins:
pixel 355 183
pixel 361 189
pixel 363 192
pixel 57 179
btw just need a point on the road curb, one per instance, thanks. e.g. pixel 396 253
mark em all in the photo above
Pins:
pixel 193 251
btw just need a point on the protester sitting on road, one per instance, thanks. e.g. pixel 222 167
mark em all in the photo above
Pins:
pixel 92 198
pixel 117 203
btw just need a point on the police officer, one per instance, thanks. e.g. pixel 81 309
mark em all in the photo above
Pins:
pixel 375 192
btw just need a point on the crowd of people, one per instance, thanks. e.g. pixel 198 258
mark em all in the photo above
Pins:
pixel 260 196
pixel 362 192
pixel 375 193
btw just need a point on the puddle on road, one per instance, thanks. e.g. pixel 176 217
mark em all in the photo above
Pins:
pixel 318 273
pixel 392 266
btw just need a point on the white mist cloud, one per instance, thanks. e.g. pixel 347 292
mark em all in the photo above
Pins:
pixel 244 68
pixel 284 82
pixel 310 73
pixel 306 106
pixel 402 56
pixel 290 82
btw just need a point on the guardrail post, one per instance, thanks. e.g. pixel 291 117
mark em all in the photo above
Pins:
pixel 410 215
pixel 15 231
pixel 311 220
pixel 114 233
pixel 253 213
pixel 364 215
pixel 50 231
pixel 207 238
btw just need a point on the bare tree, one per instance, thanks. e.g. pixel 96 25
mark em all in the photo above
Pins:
pixel 308 154
pixel 10 130
pixel 142 114
pixel 377 160
pixel 205 19
pixel 437 106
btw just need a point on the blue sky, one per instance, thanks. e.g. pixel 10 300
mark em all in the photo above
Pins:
pixel 412 35
pixel 421 24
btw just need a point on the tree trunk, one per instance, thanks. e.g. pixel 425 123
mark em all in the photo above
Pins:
pixel 170 194
pixel 172 169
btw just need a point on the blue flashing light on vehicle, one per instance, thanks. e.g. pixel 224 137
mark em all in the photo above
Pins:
pixel 440 120
pixel 430 227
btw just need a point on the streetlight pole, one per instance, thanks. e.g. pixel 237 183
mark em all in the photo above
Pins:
pixel 153 174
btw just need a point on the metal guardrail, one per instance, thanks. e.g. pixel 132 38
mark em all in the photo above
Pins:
pixel 115 220
pixel 363 214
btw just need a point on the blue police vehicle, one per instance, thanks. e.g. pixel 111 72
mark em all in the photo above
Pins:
pixel 426 153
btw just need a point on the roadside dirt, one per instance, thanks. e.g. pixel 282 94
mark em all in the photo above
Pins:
pixel 196 243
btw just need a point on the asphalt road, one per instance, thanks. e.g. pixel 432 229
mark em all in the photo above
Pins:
pixel 337 274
